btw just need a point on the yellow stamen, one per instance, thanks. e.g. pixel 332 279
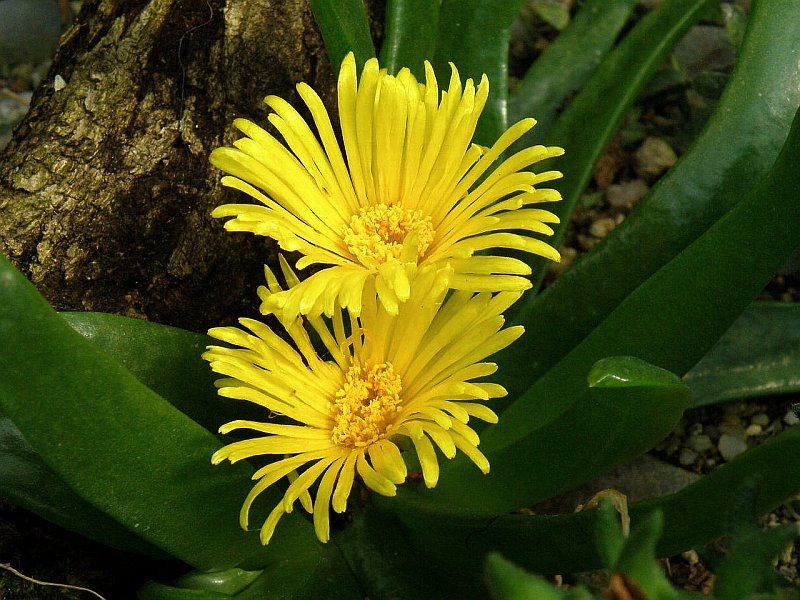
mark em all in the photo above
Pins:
pixel 377 233
pixel 366 405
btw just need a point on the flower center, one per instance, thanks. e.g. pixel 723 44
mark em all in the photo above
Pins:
pixel 366 405
pixel 377 232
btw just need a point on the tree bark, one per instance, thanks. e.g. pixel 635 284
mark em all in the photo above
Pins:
pixel 106 189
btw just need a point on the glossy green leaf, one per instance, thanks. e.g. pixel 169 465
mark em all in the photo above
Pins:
pixel 759 355
pixel 25 480
pixel 167 360
pixel 586 127
pixel 159 591
pixel 410 35
pixel 548 544
pixel 117 443
pixel 747 567
pixel 637 560
pixel 473 34
pixel 387 563
pixel 506 581
pixel 700 512
pixel 580 47
pixel 626 407
pixel 229 581
pixel 345 26
pixel 734 151
pixel 552 12
pixel 671 320
pixel 608 536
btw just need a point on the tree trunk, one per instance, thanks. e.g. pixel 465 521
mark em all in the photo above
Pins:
pixel 106 189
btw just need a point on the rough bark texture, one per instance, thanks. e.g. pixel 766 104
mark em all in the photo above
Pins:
pixel 106 189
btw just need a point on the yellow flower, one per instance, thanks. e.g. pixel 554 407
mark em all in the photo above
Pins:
pixel 389 378
pixel 414 190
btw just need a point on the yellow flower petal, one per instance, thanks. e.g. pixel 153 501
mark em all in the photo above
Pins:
pixel 389 376
pixel 406 189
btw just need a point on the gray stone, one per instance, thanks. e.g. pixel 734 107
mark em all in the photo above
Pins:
pixel 602 227
pixel 687 457
pixel 626 195
pixel 654 157
pixel 700 443
pixel 730 447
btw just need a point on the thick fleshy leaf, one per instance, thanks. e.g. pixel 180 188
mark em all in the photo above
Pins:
pixel 473 34
pixel 671 321
pixel 345 27
pixel 28 482
pixel 387 563
pixel 550 544
pixel 734 151
pixel 230 581
pixel 117 443
pixel 410 35
pixel 167 360
pixel 748 565
pixel 759 355
pixel 579 48
pixel 626 407
pixel 507 581
pixel 638 557
pixel 310 571
pixel 586 127
pixel 323 574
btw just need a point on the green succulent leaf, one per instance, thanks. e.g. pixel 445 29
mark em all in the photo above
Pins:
pixel 507 581
pixel 473 34
pixel 586 127
pixel 158 591
pixel 625 408
pixel 747 566
pixel 228 581
pixel 551 544
pixel 671 321
pixel 27 481
pixel 345 27
pixel 637 559
pixel 608 536
pixel 752 118
pixel 759 355
pixel 552 12
pixel 118 444
pixel 582 45
pixel 309 571
pixel 167 360
pixel 386 563
pixel 410 38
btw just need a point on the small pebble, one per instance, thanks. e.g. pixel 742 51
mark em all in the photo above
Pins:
pixel 587 242
pixel 626 195
pixel 699 443
pixel 654 157
pixel 790 418
pixel 730 447
pixel 760 419
pixel 687 457
pixel 753 429
pixel 733 427
pixel 568 256
pixel 602 227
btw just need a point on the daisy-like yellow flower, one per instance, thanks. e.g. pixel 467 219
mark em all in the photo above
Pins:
pixel 388 379
pixel 413 191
